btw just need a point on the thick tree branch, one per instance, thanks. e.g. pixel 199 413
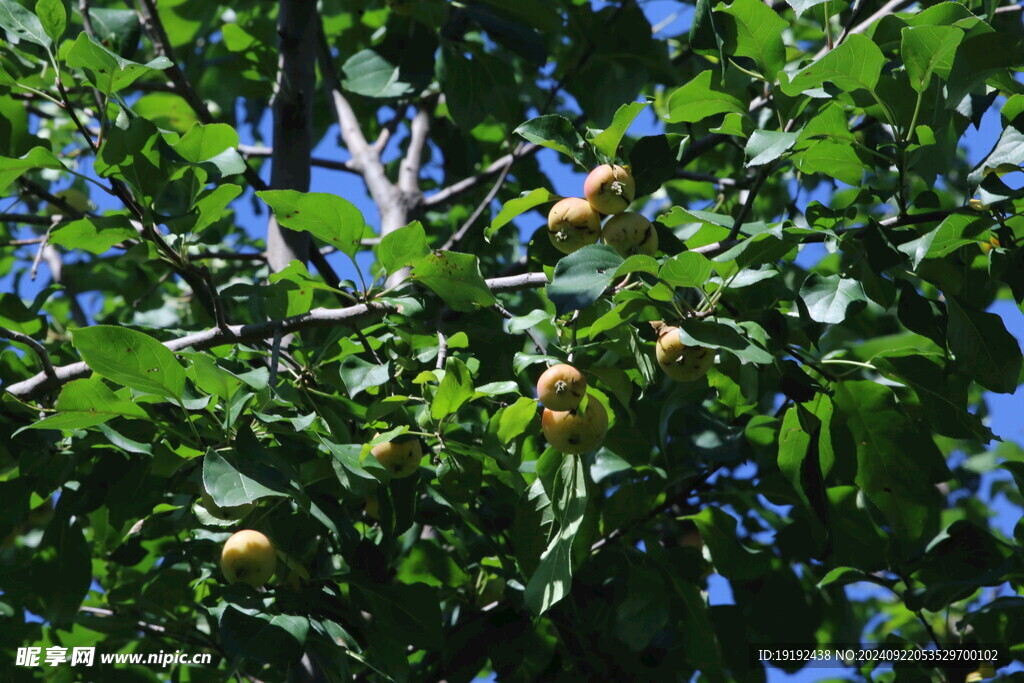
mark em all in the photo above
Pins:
pixel 209 338
pixel 392 203
pixel 323 317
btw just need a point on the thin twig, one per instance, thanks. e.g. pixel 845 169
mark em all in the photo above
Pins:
pixel 707 178
pixel 748 205
pixel 455 190
pixel 37 348
pixel 691 488
pixel 25 219
pixel 251 151
pixel 387 130
pixel 457 236
pixel 83 9
pixel 442 350
pixel 37 190
pixel 505 313
pixel 39 256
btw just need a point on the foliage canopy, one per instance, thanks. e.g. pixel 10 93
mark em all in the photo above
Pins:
pixel 195 364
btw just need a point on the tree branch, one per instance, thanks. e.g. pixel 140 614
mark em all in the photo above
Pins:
pixel 409 170
pixel 465 185
pixel 150 20
pixel 459 234
pixel 748 205
pixel 25 219
pixel 323 317
pixel 212 337
pixel 37 348
pixel 251 151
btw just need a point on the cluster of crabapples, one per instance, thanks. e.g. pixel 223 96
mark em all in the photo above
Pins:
pixel 575 222
pixel 568 427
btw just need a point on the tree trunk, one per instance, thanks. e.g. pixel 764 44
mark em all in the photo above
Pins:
pixel 293 122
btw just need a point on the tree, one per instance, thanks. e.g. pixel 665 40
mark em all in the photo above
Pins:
pixel 224 336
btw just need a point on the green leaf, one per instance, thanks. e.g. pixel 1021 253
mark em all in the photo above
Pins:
pixel 607 141
pixel 346 462
pixel 204 142
pixel 358 374
pixel 832 298
pixel 53 17
pixel 212 378
pixel 232 483
pixel 133 154
pixel 765 146
pixel 61 571
pixel 1006 157
pixel 327 217
pixel 731 558
pixel 856 64
pixel 95 235
pixel 15 316
pixel 654 159
pixel 688 269
pixel 455 389
pixel 705 35
pixel 553 578
pixel 106 71
pixel 415 606
pixel 928 50
pixel 699 99
pixel 753 29
pixel 516 418
pixel 131 358
pixel 86 402
pixel 943 394
pixel 843 576
pixel 455 278
pixel 834 159
pixel 984 347
pixel 898 464
pixel 118 29
pixel 517 206
pixel 23 24
pixel 13 168
pixel 368 73
pixel 557 133
pixel 794 440
pixel 856 539
pixel 723 334
pixel 210 208
pixel 581 277
pixel 275 639
pixel 462 80
pixel 801 6
pixel 762 248
pixel 402 247
pixel 538 14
